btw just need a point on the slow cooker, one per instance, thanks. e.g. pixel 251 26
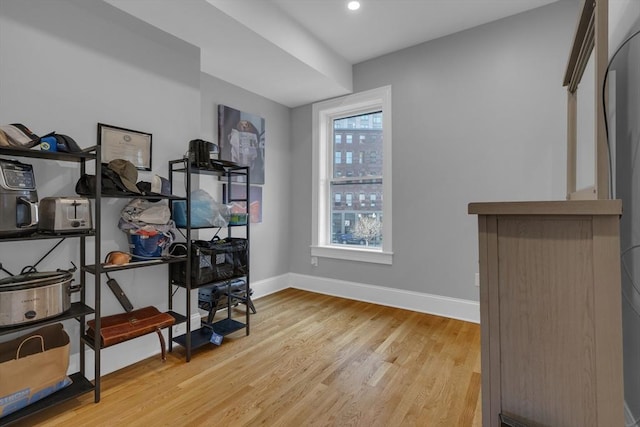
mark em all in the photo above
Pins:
pixel 30 297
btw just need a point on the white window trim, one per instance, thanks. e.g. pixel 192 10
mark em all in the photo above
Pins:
pixel 322 122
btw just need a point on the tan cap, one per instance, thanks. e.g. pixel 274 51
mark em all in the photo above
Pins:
pixel 4 142
pixel 127 172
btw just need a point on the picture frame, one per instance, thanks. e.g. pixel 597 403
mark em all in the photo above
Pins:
pixel 121 143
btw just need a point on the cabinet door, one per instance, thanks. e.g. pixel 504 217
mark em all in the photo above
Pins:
pixel 551 319
pixel 545 287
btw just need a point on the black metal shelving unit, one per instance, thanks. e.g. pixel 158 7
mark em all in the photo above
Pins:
pixel 99 268
pixel 78 310
pixel 79 386
pixel 229 174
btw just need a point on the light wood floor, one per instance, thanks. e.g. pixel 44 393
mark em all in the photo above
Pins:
pixel 311 360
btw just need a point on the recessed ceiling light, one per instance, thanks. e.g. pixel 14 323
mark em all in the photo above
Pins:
pixel 353 5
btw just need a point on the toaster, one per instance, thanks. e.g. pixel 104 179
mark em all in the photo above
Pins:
pixel 64 214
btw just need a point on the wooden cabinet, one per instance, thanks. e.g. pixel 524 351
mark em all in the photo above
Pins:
pixel 550 312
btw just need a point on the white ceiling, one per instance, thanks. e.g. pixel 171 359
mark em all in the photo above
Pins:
pixel 300 51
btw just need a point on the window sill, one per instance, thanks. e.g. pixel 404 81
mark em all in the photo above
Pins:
pixel 353 254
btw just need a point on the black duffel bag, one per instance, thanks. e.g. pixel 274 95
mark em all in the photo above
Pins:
pixel 211 261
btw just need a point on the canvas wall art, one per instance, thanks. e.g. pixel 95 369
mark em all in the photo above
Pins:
pixel 242 141
pixel 255 201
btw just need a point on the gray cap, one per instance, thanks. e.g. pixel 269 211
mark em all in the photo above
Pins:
pixel 127 172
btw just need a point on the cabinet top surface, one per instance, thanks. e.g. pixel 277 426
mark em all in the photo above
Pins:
pixel 559 207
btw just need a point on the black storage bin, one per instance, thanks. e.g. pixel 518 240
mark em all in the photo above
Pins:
pixel 212 261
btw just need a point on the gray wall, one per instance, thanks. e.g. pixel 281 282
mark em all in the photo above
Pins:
pixel 269 241
pixel 66 65
pixel 477 116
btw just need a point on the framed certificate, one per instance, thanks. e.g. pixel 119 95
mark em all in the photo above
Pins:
pixel 121 143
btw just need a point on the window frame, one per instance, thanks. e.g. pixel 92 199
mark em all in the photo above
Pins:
pixel 322 122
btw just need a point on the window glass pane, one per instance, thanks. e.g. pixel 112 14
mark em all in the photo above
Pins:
pixel 357 222
pixel 347 231
pixel 369 151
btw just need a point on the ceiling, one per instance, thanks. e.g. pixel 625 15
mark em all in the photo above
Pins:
pixel 296 52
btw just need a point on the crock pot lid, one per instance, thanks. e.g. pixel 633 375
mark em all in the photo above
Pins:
pixel 35 279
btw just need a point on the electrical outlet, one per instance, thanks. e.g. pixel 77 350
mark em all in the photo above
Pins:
pixel 314 261
pixel 181 328
pixel 477 283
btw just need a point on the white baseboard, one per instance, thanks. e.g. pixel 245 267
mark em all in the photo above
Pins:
pixel 271 285
pixel 181 328
pixel 416 301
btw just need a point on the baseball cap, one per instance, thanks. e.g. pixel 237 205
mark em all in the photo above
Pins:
pixel 18 136
pixel 127 172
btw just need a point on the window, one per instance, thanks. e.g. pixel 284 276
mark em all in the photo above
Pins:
pixel 359 231
pixel 338 138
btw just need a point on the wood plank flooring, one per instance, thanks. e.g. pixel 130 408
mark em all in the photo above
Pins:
pixel 311 360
